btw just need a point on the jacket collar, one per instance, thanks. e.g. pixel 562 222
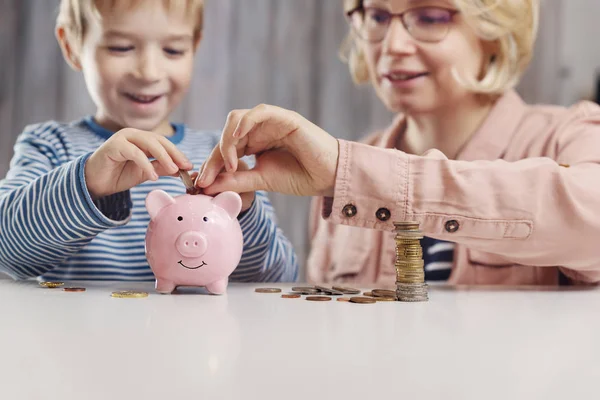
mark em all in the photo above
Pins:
pixel 492 138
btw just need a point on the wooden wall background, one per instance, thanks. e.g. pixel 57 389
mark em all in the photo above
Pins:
pixel 282 52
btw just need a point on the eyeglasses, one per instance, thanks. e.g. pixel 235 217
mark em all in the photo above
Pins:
pixel 426 24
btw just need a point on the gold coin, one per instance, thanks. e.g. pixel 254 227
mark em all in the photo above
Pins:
pixel 129 294
pixel 51 285
pixel 345 299
pixel 290 296
pixel 267 290
pixel 406 225
pixel 362 300
pixel 74 289
pixel 318 298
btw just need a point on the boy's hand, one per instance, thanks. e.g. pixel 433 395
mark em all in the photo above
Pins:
pixel 122 162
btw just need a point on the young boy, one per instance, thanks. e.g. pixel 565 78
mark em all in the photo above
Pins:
pixel 72 205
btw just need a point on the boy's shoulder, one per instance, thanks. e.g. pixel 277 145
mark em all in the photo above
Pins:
pixel 53 129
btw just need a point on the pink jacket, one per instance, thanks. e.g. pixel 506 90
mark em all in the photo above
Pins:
pixel 521 202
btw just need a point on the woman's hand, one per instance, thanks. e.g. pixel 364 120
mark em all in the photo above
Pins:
pixel 293 156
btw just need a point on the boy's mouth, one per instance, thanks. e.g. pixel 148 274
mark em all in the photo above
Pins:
pixel 142 99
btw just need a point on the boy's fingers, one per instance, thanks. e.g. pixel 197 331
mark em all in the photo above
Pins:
pixel 177 155
pixel 153 148
pixel 133 153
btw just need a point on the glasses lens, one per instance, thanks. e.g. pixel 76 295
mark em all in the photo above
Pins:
pixel 371 23
pixel 429 24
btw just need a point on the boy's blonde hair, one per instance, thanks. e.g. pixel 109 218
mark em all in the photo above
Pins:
pixel 510 26
pixel 74 15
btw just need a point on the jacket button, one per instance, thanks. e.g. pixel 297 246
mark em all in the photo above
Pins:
pixel 349 210
pixel 452 226
pixel 383 214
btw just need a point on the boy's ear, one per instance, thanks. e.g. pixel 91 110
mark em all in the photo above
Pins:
pixel 197 41
pixel 71 57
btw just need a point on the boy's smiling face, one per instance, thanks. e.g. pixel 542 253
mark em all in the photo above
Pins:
pixel 137 62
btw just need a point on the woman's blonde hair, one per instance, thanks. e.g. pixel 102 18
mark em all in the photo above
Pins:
pixel 75 15
pixel 510 26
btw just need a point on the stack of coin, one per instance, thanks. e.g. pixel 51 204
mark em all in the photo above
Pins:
pixel 410 274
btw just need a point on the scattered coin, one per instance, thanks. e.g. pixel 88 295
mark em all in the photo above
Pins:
pixel 129 294
pixel 384 298
pixel 346 290
pixel 344 299
pixel 368 294
pixel 74 289
pixel 267 290
pixel 290 296
pixel 52 285
pixel 305 290
pixel 328 291
pixel 362 300
pixel 318 298
pixel 383 293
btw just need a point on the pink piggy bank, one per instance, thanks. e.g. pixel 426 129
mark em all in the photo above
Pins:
pixel 193 240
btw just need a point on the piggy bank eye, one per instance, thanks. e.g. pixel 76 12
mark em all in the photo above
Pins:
pixel 179 218
pixel 205 219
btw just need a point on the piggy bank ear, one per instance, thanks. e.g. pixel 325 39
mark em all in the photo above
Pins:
pixel 230 202
pixel 156 201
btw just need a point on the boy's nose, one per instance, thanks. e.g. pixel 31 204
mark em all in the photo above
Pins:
pixel 148 68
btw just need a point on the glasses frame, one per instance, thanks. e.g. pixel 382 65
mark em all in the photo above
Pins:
pixel 392 16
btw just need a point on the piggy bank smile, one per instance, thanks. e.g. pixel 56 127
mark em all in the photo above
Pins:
pixel 185 266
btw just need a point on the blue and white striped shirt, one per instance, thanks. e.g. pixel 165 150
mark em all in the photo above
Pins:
pixel 438 256
pixel 51 228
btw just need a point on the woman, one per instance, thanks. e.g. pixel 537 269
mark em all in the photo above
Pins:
pixel 507 193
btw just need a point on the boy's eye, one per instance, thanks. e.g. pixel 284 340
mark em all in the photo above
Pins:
pixel 120 49
pixel 173 52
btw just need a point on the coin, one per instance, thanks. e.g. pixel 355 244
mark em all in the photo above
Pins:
pixel 318 298
pixel 74 289
pixel 385 298
pixel 267 290
pixel 129 294
pixel 406 225
pixel 345 299
pixel 346 290
pixel 369 294
pixel 329 291
pixel 290 296
pixel 51 285
pixel 383 293
pixel 305 290
pixel 362 300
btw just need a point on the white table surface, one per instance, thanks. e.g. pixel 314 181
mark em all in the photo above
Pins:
pixel 462 344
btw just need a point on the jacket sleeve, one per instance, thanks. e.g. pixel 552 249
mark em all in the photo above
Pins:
pixel 536 211
pixel 46 211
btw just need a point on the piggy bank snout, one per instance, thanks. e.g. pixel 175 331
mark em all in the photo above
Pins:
pixel 191 244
